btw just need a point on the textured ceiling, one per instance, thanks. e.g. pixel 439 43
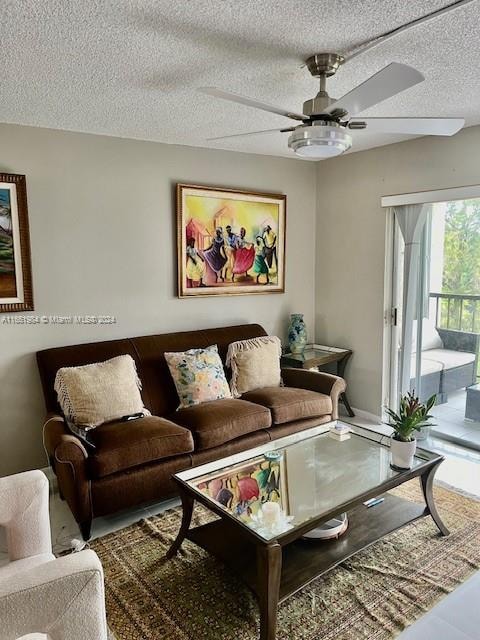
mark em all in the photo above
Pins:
pixel 130 68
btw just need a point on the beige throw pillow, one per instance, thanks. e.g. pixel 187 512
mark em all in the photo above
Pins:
pixel 255 364
pixel 96 393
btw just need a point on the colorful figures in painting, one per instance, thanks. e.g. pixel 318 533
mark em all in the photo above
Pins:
pixel 260 266
pixel 195 264
pixel 244 255
pixel 230 255
pixel 215 255
pixel 243 493
pixel 269 238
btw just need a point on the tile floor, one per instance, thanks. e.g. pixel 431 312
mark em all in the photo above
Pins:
pixel 451 422
pixel 456 617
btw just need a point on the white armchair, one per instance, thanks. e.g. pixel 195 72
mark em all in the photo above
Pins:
pixel 62 598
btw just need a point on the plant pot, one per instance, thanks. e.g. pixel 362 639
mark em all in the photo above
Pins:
pixel 402 453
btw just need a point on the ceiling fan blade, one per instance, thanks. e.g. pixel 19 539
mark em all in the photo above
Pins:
pixel 412 126
pixel 234 97
pixel 250 133
pixel 392 79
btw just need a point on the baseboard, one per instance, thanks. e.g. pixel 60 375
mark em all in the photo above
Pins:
pixel 367 415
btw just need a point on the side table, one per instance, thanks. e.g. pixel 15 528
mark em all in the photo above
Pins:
pixel 315 356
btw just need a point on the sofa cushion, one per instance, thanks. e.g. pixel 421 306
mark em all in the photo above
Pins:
pixel 428 366
pixel 289 403
pixel 448 358
pixel 213 423
pixel 122 445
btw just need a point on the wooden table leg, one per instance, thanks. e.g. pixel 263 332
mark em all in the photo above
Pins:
pixel 269 569
pixel 187 505
pixel 341 364
pixel 426 481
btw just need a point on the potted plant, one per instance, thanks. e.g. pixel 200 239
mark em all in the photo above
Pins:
pixel 411 417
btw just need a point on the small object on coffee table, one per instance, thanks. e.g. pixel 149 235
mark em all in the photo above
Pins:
pixel 373 501
pixel 340 432
pixel 273 456
pixel 271 513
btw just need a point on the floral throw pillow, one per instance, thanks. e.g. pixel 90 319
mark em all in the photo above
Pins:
pixel 198 375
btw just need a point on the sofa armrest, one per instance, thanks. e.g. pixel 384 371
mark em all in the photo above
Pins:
pixel 71 465
pixel 319 381
pixel 54 428
pixel 62 597
pixel 459 340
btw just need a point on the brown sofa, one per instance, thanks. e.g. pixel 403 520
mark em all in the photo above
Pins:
pixel 133 462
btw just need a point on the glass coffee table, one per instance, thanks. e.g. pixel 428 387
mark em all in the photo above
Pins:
pixel 309 478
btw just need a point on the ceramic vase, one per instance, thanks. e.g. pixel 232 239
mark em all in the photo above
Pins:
pixel 297 333
pixel 402 453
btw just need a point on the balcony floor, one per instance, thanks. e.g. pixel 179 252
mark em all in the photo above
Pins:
pixel 451 423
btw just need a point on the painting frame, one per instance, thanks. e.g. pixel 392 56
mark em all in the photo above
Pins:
pixel 16 289
pixel 249 284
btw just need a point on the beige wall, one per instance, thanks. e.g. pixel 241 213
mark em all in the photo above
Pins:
pixel 103 242
pixel 351 241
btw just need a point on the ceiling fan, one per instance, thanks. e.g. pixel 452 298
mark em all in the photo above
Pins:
pixel 326 123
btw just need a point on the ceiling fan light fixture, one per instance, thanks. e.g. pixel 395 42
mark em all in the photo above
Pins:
pixel 319 141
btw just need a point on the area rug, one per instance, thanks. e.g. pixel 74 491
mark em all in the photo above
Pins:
pixel 374 595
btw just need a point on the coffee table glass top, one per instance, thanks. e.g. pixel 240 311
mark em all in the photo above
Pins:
pixel 304 476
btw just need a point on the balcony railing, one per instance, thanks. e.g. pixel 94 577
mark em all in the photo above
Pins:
pixel 457 311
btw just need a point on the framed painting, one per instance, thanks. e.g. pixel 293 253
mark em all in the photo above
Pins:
pixel 229 242
pixel 15 269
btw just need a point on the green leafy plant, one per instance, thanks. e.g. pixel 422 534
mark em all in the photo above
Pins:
pixel 412 416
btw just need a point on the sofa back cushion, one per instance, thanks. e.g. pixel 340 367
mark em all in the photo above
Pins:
pixel 198 375
pixel 158 390
pixel 96 393
pixel 254 364
pixel 430 337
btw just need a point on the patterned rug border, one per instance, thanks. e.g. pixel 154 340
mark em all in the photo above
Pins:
pixel 375 594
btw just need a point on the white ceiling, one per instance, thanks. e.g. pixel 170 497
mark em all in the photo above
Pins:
pixel 130 68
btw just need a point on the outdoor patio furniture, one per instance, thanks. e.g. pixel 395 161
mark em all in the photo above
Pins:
pixel 449 361
pixel 472 406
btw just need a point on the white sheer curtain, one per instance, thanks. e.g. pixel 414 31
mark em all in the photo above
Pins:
pixel 411 220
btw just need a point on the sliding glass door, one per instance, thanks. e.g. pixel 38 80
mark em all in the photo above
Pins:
pixel 435 313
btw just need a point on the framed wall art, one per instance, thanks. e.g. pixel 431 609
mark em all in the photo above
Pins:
pixel 15 268
pixel 229 242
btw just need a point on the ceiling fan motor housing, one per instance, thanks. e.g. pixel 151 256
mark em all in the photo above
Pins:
pixel 316 106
